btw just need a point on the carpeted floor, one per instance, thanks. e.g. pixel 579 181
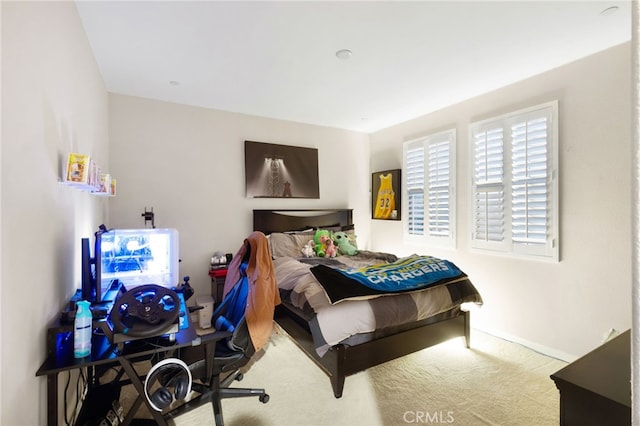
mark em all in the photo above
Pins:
pixel 494 383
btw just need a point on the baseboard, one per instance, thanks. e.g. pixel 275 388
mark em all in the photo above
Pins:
pixel 542 349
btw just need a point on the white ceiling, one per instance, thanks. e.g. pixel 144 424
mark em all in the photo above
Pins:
pixel 278 59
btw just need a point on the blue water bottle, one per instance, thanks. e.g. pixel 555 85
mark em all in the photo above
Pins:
pixel 82 330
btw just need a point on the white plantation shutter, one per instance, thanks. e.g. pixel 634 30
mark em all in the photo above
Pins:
pixel 515 189
pixel 439 188
pixel 414 175
pixel 529 187
pixel 488 214
pixel 429 170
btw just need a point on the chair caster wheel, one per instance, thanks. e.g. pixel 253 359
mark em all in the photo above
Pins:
pixel 264 398
pixel 239 377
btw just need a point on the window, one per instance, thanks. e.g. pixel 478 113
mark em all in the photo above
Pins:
pixel 514 183
pixel 429 173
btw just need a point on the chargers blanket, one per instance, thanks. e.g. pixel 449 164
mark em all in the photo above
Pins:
pixel 407 274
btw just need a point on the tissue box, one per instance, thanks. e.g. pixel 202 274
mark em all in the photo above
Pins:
pixel 205 314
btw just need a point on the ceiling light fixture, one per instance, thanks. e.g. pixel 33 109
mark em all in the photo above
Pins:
pixel 609 11
pixel 344 54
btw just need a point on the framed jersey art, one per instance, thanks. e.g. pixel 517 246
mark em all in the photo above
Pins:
pixel 385 195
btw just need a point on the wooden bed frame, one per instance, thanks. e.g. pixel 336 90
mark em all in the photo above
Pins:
pixel 343 360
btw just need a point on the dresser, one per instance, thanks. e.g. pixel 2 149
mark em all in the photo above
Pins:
pixel 596 389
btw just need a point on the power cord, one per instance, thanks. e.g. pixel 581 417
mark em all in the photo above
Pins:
pixel 66 388
pixel 81 385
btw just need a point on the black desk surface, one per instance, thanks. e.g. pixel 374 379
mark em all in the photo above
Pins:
pixel 104 352
pixel 605 371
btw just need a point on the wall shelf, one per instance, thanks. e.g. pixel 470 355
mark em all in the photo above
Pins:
pixel 82 172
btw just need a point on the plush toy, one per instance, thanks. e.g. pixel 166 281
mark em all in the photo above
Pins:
pixel 345 246
pixel 324 246
pixel 308 249
pixel 331 250
pixel 319 238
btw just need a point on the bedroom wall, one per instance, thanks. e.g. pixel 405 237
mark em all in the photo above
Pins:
pixel 53 101
pixel 188 164
pixel 564 308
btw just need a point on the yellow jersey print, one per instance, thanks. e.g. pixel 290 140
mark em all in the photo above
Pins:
pixel 386 201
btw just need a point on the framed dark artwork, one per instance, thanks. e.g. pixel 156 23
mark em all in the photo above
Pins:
pixel 280 171
pixel 386 195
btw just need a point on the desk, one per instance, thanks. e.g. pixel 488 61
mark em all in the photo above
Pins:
pixel 103 353
pixel 596 389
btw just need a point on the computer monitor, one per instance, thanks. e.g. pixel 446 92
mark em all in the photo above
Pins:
pixel 139 256
pixel 91 268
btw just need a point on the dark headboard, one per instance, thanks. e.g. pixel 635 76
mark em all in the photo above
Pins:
pixel 269 221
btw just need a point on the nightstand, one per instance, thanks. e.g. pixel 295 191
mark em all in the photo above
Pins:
pixel 596 389
pixel 218 276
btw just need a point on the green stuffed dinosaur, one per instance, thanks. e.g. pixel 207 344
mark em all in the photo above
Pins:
pixel 345 246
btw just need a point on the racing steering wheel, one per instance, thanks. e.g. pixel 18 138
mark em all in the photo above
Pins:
pixel 145 311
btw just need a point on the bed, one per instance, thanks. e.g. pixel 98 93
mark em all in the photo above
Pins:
pixel 345 332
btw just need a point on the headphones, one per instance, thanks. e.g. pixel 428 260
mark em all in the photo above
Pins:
pixel 170 373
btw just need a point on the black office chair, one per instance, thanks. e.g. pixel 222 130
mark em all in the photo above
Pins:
pixel 230 355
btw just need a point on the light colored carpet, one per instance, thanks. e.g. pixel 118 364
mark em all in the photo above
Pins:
pixel 494 383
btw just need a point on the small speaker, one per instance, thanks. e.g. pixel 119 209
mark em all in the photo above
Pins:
pixel 205 314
